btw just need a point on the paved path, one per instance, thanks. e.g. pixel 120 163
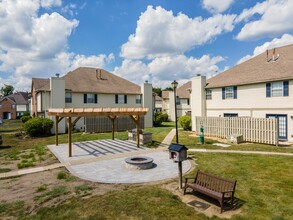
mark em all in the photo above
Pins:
pixel 240 152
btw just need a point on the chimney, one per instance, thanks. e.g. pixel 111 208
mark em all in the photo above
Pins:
pixel 99 74
pixel 57 75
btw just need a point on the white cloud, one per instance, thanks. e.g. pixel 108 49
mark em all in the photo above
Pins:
pixel 181 67
pixel 133 70
pixel 159 33
pixel 216 6
pixel 33 45
pixel 286 39
pixel 275 19
pixel 163 70
pixel 50 3
pixel 92 61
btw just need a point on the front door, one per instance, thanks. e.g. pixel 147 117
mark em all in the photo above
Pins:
pixel 282 125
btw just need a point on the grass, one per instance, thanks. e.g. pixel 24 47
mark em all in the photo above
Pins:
pixel 53 193
pixel 15 209
pixel 264 183
pixel 194 143
pixel 144 202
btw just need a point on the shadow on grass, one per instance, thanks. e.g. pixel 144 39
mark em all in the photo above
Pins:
pixel 237 202
pixel 4 147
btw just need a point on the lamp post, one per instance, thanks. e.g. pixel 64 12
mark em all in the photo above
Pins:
pixel 174 86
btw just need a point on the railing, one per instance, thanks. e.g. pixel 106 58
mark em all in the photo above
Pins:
pixel 256 130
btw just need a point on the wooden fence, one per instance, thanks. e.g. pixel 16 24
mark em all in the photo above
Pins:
pixel 257 130
pixel 104 124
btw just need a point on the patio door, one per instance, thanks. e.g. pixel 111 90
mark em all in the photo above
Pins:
pixel 283 131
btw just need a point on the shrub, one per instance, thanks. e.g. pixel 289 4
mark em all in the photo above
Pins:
pixel 24 119
pixel 38 126
pixel 185 122
pixel 165 117
pixel 26 114
pixel 159 118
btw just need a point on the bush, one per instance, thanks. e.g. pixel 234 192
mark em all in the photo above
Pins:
pixel 165 117
pixel 26 114
pixel 185 122
pixel 38 126
pixel 24 119
pixel 159 118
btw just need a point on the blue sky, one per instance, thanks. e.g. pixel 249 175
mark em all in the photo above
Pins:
pixel 139 40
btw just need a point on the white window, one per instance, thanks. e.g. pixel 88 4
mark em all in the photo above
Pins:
pixel 68 97
pixel 90 98
pixel 208 94
pixel 229 92
pixel 120 99
pixel 277 89
pixel 138 99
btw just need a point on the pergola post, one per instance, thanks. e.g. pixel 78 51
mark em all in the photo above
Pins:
pixel 135 118
pixel 69 136
pixel 113 125
pixel 56 129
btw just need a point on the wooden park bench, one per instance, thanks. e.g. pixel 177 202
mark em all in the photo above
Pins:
pixel 216 187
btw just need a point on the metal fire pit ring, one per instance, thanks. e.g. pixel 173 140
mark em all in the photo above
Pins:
pixel 139 163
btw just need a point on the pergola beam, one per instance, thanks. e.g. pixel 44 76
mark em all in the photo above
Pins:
pixel 112 113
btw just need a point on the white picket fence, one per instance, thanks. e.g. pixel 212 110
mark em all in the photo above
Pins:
pixel 256 130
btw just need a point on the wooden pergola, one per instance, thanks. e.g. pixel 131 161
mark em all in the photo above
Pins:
pixel 77 113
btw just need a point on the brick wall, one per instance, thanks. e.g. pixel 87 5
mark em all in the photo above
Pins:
pixel 6 106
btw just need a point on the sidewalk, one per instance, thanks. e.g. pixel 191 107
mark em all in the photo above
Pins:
pixel 240 152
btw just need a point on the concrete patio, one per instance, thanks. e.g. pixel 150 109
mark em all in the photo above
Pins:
pixel 103 161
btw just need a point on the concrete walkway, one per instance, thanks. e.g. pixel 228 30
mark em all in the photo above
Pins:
pixel 241 152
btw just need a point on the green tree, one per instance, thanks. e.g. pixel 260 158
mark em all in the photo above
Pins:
pixel 6 90
pixel 158 91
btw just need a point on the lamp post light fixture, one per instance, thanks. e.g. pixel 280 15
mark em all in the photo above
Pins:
pixel 174 86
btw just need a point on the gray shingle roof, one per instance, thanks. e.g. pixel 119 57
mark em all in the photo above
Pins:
pixel 91 80
pixel 257 70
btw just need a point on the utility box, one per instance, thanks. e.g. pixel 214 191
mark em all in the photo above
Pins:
pixel 177 152
pixel 235 139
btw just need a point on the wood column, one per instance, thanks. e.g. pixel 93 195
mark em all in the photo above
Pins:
pixel 69 123
pixel 56 130
pixel 113 125
pixel 135 118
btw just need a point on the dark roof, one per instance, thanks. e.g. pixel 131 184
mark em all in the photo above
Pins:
pixel 92 80
pixel 19 98
pixel 177 147
pixel 257 69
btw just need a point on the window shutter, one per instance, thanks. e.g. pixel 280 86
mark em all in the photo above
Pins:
pixel 235 92
pixel 125 99
pixel 84 98
pixel 286 88
pixel 223 93
pixel 116 99
pixel 268 89
pixel 96 98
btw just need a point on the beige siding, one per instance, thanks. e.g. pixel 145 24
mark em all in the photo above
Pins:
pixel 252 102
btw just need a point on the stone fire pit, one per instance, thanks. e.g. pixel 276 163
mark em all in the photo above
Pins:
pixel 139 163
